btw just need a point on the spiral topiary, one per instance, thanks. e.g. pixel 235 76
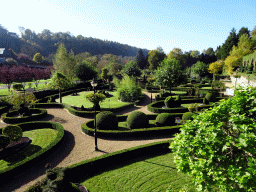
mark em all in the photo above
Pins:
pixel 14 132
pixel 4 141
pixel 137 119
pixel 106 120
pixel 187 116
pixel 165 119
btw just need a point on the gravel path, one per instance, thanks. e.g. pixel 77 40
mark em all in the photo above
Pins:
pixel 77 146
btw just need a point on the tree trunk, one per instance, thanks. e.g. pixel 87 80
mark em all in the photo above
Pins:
pixel 60 95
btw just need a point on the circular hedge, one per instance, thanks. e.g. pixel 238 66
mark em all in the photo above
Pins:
pixel 187 116
pixel 106 120
pixel 137 119
pixel 165 119
pixel 13 132
pixel 169 101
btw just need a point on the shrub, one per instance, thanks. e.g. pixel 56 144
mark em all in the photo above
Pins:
pixel 171 103
pixel 106 120
pixel 165 119
pixel 218 147
pixel 205 101
pixel 209 97
pixel 137 119
pixel 191 91
pixel 178 100
pixel 187 116
pixel 95 99
pixel 193 107
pixel 17 99
pixel 18 86
pixel 127 90
pixel 14 132
pixel 4 141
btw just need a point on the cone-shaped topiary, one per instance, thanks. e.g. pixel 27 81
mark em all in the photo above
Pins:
pixel 187 116
pixel 14 132
pixel 4 141
pixel 106 120
pixel 165 119
pixel 137 119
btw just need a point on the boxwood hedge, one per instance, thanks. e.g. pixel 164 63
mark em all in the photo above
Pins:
pixel 36 158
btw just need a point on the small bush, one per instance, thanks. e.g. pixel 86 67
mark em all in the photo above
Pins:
pixel 209 97
pixel 4 141
pixel 106 120
pixel 187 116
pixel 14 132
pixel 171 103
pixel 137 119
pixel 18 86
pixel 165 119
pixel 193 107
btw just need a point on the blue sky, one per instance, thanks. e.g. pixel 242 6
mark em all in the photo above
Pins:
pixel 185 24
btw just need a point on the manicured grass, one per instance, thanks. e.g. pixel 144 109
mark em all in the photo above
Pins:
pixel 152 174
pixel 206 88
pixel 41 138
pixel 188 104
pixel 80 100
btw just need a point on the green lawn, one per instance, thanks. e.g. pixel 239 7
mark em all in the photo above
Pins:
pixel 152 174
pixel 41 138
pixel 80 100
pixel 208 88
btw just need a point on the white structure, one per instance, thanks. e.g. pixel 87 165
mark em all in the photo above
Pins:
pixel 242 81
pixel 2 50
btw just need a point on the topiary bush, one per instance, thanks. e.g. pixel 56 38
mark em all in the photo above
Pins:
pixel 193 107
pixel 18 86
pixel 187 116
pixel 170 102
pixel 13 132
pixel 4 141
pixel 165 119
pixel 209 97
pixel 106 120
pixel 137 119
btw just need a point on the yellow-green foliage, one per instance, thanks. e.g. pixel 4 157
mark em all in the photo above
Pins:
pixel 216 67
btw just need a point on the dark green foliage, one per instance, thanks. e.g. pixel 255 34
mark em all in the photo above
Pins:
pixel 18 86
pixel 137 119
pixel 34 188
pixel 140 59
pixel 85 71
pixel 4 141
pixel 169 102
pixel 14 132
pixel 205 101
pixel 165 119
pixel 131 69
pixel 192 91
pixel 187 116
pixel 106 120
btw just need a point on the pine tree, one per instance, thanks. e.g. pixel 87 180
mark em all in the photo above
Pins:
pixel 140 59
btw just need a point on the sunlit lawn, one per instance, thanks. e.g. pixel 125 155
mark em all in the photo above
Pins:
pixel 41 138
pixel 80 100
pixel 143 175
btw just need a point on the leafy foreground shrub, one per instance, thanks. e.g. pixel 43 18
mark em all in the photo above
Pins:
pixel 218 146
pixel 13 132
pixel 127 90
pixel 165 119
pixel 106 120
pixel 137 119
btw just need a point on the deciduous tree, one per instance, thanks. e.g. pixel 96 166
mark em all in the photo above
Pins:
pixel 37 57
pixel 131 69
pixel 85 71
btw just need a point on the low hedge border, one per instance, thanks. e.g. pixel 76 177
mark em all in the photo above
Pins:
pixel 4 109
pixel 108 134
pixel 36 158
pixel 154 107
pixel 78 172
pixel 14 120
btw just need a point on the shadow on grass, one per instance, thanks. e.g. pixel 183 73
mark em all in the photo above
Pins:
pixel 38 170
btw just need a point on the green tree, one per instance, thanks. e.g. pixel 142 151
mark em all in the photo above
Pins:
pixel 155 57
pixel 85 71
pixel 243 30
pixel 210 51
pixel 131 69
pixel 37 57
pixel 61 82
pixel 169 73
pixel 104 73
pixel 177 54
pixel 195 54
pixel 217 148
pixel 199 69
pixel 140 59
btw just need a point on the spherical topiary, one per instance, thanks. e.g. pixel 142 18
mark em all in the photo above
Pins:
pixel 209 97
pixel 165 119
pixel 106 120
pixel 187 116
pixel 14 132
pixel 137 119
pixel 4 141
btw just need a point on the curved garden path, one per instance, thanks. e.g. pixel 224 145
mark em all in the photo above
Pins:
pixel 77 146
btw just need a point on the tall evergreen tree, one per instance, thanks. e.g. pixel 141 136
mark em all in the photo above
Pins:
pixel 140 59
pixel 242 31
pixel 229 43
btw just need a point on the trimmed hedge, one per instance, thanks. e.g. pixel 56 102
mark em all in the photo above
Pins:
pixel 7 117
pixel 88 129
pixel 137 120
pixel 36 158
pixel 78 172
